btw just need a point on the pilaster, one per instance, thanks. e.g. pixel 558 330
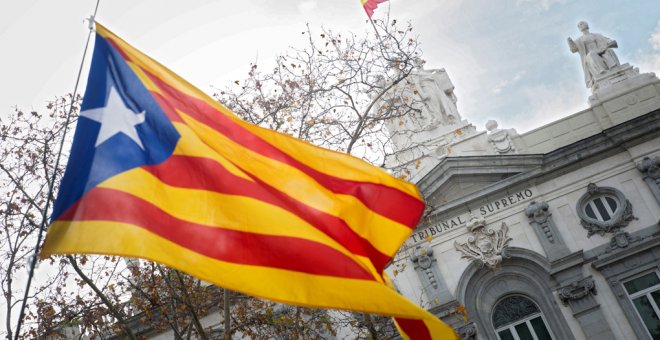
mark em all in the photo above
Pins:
pixel 578 293
pixel 650 169
pixel 541 221
pixel 574 290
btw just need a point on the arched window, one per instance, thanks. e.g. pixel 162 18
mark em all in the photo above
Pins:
pixel 518 318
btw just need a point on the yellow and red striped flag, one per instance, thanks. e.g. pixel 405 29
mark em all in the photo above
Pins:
pixel 370 6
pixel 159 170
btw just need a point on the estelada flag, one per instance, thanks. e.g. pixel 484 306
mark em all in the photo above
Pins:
pixel 160 171
pixel 370 6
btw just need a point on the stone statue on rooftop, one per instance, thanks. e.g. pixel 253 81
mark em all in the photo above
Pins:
pixel 437 92
pixel 595 52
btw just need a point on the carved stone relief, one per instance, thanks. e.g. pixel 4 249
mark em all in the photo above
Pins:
pixel 499 139
pixel 484 245
pixel 577 290
pixel 620 240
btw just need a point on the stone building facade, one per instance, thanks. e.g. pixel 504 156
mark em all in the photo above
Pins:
pixel 550 234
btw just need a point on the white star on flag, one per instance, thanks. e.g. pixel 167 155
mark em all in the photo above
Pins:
pixel 115 118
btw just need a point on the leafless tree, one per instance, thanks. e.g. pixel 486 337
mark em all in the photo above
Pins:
pixel 331 91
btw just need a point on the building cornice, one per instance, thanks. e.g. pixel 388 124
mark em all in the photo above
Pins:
pixel 530 169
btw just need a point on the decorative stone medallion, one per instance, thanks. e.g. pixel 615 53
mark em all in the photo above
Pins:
pixel 603 210
pixel 622 239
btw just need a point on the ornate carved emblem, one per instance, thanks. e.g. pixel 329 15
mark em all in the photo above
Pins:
pixel 603 210
pixel 499 139
pixel 485 245
pixel 622 239
pixel 577 290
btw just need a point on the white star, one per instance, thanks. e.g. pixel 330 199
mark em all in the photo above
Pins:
pixel 115 118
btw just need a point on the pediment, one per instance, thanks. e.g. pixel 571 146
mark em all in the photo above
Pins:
pixel 458 177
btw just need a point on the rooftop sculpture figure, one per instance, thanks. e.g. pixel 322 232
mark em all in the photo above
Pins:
pixel 595 52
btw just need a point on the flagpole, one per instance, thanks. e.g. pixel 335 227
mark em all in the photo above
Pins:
pixel 227 321
pixel 44 213
pixel 371 13
pixel 377 34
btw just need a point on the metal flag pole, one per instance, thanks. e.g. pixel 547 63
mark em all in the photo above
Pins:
pixel 51 184
pixel 374 25
pixel 376 30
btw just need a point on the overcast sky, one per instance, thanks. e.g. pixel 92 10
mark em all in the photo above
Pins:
pixel 508 59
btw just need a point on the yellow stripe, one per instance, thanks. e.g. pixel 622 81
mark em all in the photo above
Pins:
pixel 204 207
pixel 326 161
pixel 386 237
pixel 191 145
pixel 284 286
pixel 333 163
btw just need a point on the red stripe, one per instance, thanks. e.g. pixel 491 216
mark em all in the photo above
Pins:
pixel 386 201
pixel 227 245
pixel 415 329
pixel 169 111
pixel 206 174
